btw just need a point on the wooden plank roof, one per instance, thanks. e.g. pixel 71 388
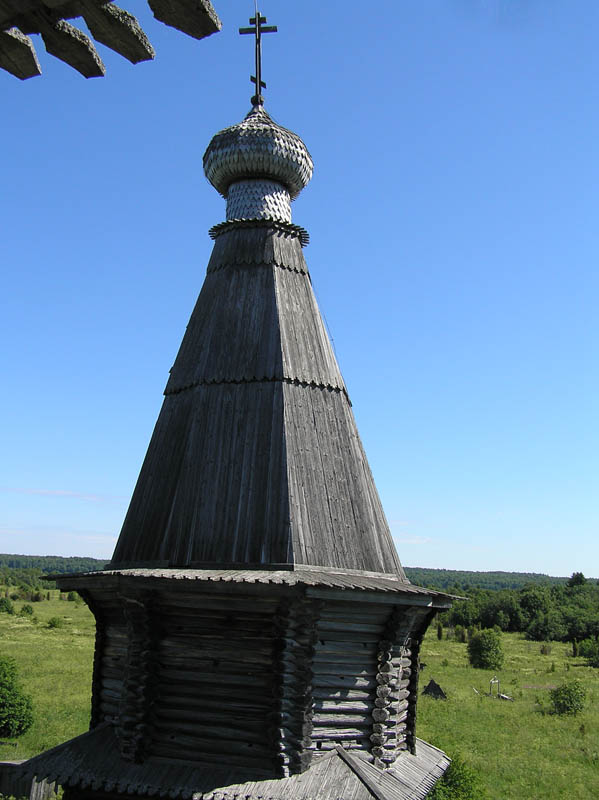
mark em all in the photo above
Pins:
pixel 297 576
pixel 93 760
pixel 256 458
pixel 108 24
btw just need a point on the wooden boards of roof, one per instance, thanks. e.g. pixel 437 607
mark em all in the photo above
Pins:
pixel 256 458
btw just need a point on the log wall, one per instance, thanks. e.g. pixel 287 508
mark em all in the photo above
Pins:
pixel 270 680
pixel 216 676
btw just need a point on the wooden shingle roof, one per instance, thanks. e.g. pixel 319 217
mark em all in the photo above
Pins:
pixel 84 762
pixel 256 458
pixel 311 578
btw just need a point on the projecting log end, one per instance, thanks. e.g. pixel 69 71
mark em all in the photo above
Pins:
pixel 119 30
pixel 70 45
pixel 196 18
pixel 17 54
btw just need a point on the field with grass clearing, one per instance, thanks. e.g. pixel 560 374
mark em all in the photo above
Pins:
pixel 520 752
pixel 55 669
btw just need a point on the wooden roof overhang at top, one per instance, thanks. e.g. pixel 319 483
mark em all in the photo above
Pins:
pixel 108 24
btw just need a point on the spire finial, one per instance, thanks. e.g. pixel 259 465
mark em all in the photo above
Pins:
pixel 258 28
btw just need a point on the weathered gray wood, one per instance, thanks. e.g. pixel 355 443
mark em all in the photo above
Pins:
pixel 118 30
pixel 255 457
pixel 196 18
pixel 265 615
pixel 17 54
pixel 70 45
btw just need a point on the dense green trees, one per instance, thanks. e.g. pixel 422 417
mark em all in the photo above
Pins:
pixel 50 564
pixel 463 580
pixel 16 712
pixel 566 612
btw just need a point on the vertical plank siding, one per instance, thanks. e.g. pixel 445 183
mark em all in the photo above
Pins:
pixel 334 505
pixel 256 457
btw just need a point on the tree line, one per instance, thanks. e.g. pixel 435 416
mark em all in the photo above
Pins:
pixel 561 612
pixel 51 564
pixel 460 580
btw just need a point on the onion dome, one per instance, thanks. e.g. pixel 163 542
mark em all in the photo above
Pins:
pixel 258 148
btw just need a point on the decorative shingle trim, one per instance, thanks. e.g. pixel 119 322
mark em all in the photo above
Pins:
pixel 287 228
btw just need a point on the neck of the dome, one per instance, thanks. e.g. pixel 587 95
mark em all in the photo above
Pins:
pixel 258 198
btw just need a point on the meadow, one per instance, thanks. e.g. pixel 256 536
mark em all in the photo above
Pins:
pixel 55 667
pixel 520 752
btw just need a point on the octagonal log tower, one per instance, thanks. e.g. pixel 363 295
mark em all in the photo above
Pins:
pixel 256 633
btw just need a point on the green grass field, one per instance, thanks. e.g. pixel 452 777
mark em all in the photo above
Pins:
pixel 520 753
pixel 55 669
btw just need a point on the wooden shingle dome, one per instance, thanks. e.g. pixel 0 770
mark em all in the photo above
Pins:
pixel 257 147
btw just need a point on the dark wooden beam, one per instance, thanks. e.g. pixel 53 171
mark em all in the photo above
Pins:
pixel 17 54
pixel 109 25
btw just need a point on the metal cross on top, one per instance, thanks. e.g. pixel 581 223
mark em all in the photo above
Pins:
pixel 258 29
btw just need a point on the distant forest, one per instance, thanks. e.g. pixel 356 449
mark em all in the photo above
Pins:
pixel 52 564
pixel 27 571
pixel 457 579
pixel 443 579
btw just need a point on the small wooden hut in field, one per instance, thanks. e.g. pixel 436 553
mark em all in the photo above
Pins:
pixel 256 634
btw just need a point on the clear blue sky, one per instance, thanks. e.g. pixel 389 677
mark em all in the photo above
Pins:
pixel 454 252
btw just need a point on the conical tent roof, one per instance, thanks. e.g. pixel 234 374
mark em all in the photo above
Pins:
pixel 256 458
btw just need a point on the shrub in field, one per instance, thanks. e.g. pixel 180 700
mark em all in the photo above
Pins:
pixel 569 698
pixel 6 606
pixel 545 649
pixel 460 633
pixel 485 651
pixel 589 649
pixel 26 610
pixel 460 782
pixel 72 596
pixel 55 622
pixel 16 712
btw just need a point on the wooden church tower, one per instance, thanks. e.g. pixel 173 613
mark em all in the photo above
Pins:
pixel 256 634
